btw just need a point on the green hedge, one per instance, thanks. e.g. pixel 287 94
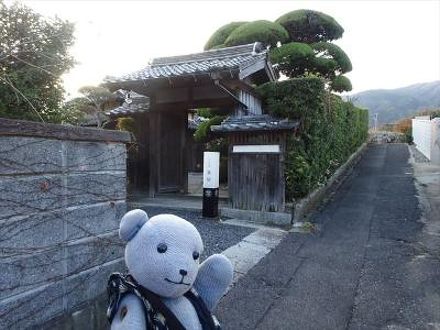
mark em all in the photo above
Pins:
pixel 330 131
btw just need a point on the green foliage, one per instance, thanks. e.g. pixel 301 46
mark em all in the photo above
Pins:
pixel 292 59
pixel 330 131
pixel 310 26
pixel 267 32
pixel 100 97
pixel 320 59
pixel 210 112
pixel 218 46
pixel 341 84
pixel 127 124
pixel 33 56
pixel 72 111
pixel 404 126
pixel 304 51
pixel 203 131
pixel 204 112
pixel 99 100
pixel 219 37
pixel 293 98
pixel 334 52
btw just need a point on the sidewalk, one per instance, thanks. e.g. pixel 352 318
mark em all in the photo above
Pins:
pixel 366 267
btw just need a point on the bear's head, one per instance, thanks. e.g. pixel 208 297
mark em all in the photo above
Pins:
pixel 162 253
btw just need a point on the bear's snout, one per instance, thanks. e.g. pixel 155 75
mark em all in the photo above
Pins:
pixel 183 272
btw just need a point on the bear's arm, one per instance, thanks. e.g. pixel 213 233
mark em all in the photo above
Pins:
pixel 130 314
pixel 213 279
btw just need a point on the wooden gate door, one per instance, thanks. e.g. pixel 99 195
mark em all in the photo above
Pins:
pixel 172 141
pixel 256 181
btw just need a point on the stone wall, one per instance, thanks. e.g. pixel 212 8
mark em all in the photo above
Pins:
pixel 62 194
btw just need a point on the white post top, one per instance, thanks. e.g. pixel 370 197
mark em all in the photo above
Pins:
pixel 211 169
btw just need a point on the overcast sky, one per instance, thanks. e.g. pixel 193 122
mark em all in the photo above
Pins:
pixel 390 43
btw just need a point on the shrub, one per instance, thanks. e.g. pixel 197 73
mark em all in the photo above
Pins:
pixel 310 26
pixel 404 126
pixel 268 33
pixel 204 129
pixel 127 124
pixel 219 37
pixel 292 59
pixel 341 84
pixel 330 131
pixel 327 50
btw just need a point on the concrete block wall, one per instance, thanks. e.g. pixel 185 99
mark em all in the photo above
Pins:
pixel 62 194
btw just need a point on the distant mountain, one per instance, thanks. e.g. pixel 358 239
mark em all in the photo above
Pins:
pixel 394 104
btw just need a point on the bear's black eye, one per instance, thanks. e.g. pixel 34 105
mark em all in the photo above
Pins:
pixel 162 248
pixel 196 255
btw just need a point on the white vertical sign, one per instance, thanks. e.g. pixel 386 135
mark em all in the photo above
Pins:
pixel 211 169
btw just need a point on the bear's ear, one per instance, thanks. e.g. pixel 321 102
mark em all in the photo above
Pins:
pixel 131 222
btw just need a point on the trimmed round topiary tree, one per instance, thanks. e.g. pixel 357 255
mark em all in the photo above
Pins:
pixel 219 37
pixel 341 84
pixel 266 32
pixel 331 51
pixel 292 59
pixel 310 26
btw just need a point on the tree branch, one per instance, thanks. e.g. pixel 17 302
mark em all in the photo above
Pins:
pixel 24 97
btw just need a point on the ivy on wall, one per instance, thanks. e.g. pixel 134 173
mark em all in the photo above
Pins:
pixel 330 131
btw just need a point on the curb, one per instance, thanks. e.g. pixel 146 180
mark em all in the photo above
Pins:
pixel 307 204
pixel 251 249
pixel 280 219
pixel 140 205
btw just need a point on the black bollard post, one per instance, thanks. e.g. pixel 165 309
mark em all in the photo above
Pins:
pixel 211 168
pixel 210 202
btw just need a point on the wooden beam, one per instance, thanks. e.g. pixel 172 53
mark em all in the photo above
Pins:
pixel 251 69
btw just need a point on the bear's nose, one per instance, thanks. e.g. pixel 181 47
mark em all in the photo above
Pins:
pixel 183 272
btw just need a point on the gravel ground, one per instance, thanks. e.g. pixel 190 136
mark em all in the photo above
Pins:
pixel 216 236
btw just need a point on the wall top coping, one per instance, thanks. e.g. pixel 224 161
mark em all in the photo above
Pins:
pixel 12 127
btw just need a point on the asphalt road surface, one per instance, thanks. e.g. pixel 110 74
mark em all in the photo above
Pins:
pixel 365 268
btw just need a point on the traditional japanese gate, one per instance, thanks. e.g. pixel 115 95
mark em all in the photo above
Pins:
pixel 221 78
pixel 256 161
pixel 257 178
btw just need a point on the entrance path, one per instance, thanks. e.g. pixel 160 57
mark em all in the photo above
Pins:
pixel 366 267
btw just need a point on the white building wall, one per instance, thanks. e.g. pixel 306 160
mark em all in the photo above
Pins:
pixel 421 131
pixel 435 141
pixel 426 135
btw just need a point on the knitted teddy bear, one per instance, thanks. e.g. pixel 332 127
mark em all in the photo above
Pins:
pixel 162 256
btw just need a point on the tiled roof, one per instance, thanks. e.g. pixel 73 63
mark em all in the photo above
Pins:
pixel 130 109
pixel 254 123
pixel 237 57
pixel 194 123
pixel 134 103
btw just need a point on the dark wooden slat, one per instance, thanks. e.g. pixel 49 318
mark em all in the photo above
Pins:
pixel 257 181
pixel 61 132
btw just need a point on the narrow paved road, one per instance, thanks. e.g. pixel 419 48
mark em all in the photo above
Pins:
pixel 366 268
